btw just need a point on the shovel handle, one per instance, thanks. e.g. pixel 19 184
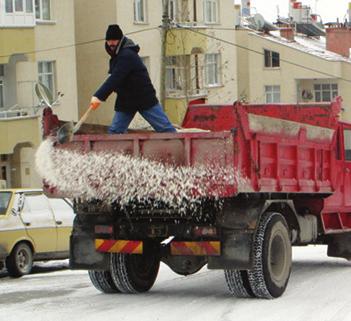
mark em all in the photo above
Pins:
pixel 83 118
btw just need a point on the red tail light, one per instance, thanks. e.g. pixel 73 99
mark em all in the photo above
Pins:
pixel 103 229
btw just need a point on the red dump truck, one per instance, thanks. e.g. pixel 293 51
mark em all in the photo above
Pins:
pixel 296 160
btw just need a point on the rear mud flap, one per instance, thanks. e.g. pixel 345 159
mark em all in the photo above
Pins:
pixel 340 246
pixel 83 255
pixel 236 251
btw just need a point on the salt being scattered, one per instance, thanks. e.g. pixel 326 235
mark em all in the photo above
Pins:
pixel 116 177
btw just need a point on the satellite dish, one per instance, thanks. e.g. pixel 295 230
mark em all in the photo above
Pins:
pixel 44 94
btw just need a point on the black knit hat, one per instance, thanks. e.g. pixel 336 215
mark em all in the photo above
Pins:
pixel 114 32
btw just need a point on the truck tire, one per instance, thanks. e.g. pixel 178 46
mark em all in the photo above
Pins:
pixel 102 281
pixel 133 273
pixel 272 257
pixel 238 283
pixel 20 261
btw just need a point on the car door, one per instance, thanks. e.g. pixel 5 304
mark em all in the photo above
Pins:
pixel 39 222
pixel 64 215
pixel 11 226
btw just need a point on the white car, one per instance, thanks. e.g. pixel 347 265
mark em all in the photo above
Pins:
pixel 33 227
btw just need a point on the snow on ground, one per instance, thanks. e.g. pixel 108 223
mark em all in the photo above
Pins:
pixel 319 290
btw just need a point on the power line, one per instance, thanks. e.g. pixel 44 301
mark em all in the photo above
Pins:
pixel 75 44
pixel 259 52
pixel 194 31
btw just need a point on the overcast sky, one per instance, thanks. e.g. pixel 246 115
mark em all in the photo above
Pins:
pixel 328 9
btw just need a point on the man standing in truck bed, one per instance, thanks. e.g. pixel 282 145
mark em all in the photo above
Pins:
pixel 130 79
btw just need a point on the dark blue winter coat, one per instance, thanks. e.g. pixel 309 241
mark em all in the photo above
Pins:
pixel 129 78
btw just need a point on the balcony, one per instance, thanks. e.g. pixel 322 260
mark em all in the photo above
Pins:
pixel 17 13
pixel 317 90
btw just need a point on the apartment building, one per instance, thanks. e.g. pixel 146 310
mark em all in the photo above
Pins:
pixel 198 67
pixel 37 43
pixel 293 65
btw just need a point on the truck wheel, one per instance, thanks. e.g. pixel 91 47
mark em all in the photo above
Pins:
pixel 238 283
pixel 133 273
pixel 102 280
pixel 272 257
pixel 20 261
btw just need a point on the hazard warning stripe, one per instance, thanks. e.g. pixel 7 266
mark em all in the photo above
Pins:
pixel 212 248
pixel 119 246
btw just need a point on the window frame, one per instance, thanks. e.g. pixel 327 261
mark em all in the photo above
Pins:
pixel 271 59
pixel 323 90
pixel 8 5
pixel 51 73
pixel 174 75
pixel 216 77
pixel 24 7
pixel 347 146
pixel 39 8
pixel 8 202
pixel 2 86
pixel 173 5
pixel 214 16
pixel 272 93
pixel 137 15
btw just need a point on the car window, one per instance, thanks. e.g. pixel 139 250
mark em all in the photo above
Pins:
pixel 58 204
pixel 4 202
pixel 63 211
pixel 37 205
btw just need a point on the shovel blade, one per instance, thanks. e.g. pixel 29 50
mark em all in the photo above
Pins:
pixel 65 133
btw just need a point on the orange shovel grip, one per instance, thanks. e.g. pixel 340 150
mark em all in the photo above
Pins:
pixel 95 105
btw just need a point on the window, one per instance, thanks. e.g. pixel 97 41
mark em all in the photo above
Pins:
pixel 9 6
pixel 46 73
pixel 212 69
pixel 42 9
pixel 174 74
pixel 139 11
pixel 272 94
pixel 347 144
pixel 325 92
pixel 172 10
pixel 19 5
pixel 2 74
pixel 1 93
pixel 29 6
pixel 5 198
pixel 211 11
pixel 12 6
pixel 271 59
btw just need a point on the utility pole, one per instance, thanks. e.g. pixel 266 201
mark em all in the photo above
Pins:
pixel 165 27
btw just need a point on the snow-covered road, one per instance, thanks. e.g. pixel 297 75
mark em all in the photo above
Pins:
pixel 319 290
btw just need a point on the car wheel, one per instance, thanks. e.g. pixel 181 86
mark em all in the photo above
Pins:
pixel 20 261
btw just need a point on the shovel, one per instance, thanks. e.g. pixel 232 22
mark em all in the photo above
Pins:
pixel 66 132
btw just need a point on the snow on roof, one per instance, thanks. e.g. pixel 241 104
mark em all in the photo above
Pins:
pixel 310 45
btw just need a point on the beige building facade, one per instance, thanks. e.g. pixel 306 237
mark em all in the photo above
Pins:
pixel 37 43
pixel 273 69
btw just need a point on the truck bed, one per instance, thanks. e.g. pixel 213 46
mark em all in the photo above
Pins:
pixel 269 154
